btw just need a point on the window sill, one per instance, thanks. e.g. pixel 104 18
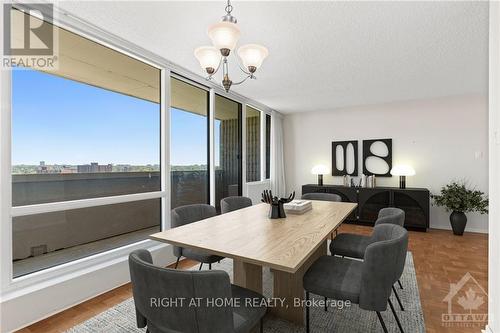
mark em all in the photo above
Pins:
pixel 51 276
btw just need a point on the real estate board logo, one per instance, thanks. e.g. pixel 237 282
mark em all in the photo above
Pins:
pixel 30 39
pixel 467 304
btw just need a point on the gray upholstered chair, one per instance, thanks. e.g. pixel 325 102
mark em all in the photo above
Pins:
pixel 234 203
pixel 354 246
pixel 152 285
pixel 188 214
pixel 322 197
pixel 367 283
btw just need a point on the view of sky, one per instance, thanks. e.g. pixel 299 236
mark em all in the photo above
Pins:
pixel 189 138
pixel 60 121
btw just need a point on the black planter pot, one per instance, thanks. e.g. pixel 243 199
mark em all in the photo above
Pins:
pixel 458 222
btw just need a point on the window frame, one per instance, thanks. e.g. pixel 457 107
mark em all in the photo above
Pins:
pixel 241 146
pixel 11 285
pixel 262 150
pixel 210 166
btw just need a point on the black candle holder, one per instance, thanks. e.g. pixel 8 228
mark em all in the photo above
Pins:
pixel 276 209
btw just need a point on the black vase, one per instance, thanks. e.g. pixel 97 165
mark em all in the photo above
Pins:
pixel 458 222
pixel 274 211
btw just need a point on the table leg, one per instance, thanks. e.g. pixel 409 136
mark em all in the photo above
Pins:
pixel 289 286
pixel 247 275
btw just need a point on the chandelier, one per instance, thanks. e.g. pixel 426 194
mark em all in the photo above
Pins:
pixel 224 36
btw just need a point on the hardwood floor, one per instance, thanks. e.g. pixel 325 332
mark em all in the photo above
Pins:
pixel 440 259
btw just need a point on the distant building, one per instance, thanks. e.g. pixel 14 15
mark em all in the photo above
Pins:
pixel 42 168
pixel 68 169
pixel 123 168
pixel 94 167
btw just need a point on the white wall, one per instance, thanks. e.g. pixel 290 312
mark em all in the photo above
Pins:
pixel 443 139
pixel 494 216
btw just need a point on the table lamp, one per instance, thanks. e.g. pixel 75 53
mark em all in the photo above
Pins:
pixel 320 170
pixel 402 170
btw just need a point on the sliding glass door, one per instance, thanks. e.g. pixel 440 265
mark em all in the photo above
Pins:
pixel 227 141
pixel 189 144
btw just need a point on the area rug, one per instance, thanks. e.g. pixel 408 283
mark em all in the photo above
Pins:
pixel 121 318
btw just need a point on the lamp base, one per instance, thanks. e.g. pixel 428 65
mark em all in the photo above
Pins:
pixel 320 180
pixel 402 182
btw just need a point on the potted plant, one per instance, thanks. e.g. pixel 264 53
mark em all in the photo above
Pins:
pixel 459 199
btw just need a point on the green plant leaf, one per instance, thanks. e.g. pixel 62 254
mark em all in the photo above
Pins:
pixel 457 196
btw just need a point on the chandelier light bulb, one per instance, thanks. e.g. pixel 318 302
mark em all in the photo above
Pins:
pixel 252 56
pixel 209 58
pixel 224 36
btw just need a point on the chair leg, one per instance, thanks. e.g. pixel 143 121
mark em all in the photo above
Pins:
pixel 400 285
pixel 201 264
pixel 381 321
pixel 326 307
pixel 307 312
pixel 177 262
pixel 261 325
pixel 396 316
pixel 210 266
pixel 397 297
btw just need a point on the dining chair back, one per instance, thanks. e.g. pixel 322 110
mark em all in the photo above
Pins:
pixel 322 197
pixel 230 204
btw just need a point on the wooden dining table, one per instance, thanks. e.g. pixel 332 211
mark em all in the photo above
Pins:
pixel 288 246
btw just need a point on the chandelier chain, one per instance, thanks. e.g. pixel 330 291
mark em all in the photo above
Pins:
pixel 229 7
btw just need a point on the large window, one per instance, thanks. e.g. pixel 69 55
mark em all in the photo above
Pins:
pixel 86 151
pixel 88 130
pixel 189 144
pixel 227 138
pixel 72 141
pixel 253 144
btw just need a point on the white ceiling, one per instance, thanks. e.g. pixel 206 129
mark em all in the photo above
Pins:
pixel 322 55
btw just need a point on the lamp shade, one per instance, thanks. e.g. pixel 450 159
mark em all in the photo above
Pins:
pixel 224 35
pixel 208 56
pixel 320 170
pixel 252 55
pixel 402 170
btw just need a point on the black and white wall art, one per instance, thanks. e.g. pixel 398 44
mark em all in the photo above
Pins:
pixel 377 157
pixel 345 158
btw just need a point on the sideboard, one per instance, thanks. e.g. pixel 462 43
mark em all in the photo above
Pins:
pixel 414 201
